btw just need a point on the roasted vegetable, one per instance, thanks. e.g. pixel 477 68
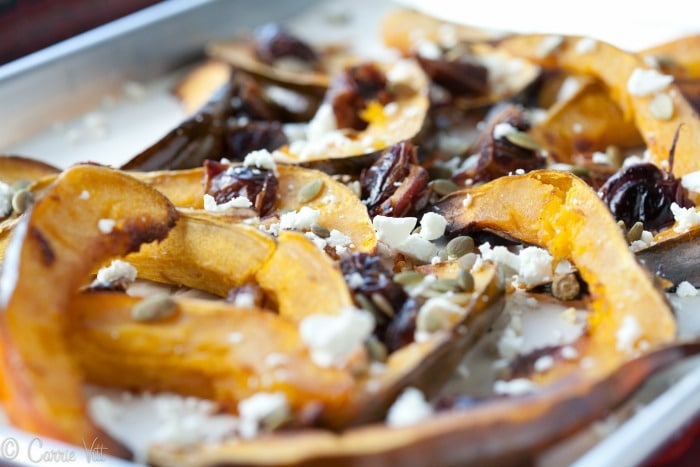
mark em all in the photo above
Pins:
pixel 560 212
pixel 51 253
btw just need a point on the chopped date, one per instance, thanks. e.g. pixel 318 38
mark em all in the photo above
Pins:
pixel 244 138
pixel 225 183
pixel 274 42
pixel 459 77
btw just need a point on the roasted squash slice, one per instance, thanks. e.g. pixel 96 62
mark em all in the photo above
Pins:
pixel 615 68
pixel 52 251
pixel 558 211
pixel 14 169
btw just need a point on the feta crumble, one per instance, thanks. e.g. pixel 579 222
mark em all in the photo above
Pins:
pixel 393 231
pixel 262 410
pixel 299 220
pixel 6 194
pixel 408 409
pixel 436 314
pixel 647 82
pixel 548 45
pixel 84 195
pixel 501 130
pixel 628 333
pixel 691 181
pixel 432 226
pixel 211 205
pixel 262 159
pixel 117 271
pixel 333 338
pixel 686 289
pixel 514 387
pixel 544 363
pixel 686 218
pixel 106 225
pixel 586 45
pixel 568 88
pixel 418 247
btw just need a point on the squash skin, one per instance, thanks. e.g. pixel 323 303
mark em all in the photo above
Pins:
pixel 559 212
pixel 613 67
pixel 52 251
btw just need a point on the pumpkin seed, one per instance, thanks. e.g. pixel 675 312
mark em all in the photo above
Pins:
pixel 356 188
pixel 21 185
pixel 310 191
pixel 376 349
pixel 154 308
pixel 465 280
pixel 320 231
pixel 635 232
pixel 445 285
pixel 661 106
pixel 365 303
pixel 460 246
pixel 459 298
pixel 467 261
pixel 523 140
pixel 580 171
pixel 622 226
pixel 408 277
pixel 566 286
pixel 383 304
pixel 22 200
pixel 443 187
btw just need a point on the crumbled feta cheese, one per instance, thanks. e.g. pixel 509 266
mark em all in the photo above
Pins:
pixel 408 409
pixel 432 226
pixel 244 300
pixel 332 338
pixel 267 410
pixel 355 280
pixel 586 45
pixel 569 353
pixel 6 194
pixel 429 50
pixel 339 241
pixel 686 289
pixel 548 45
pixel 686 218
pixel 393 230
pixel 535 266
pixel 645 241
pixel 544 363
pixel 417 247
pixel 691 181
pixel 437 314
pixel 628 333
pixel 568 88
pixel 510 342
pixel 262 159
pixel 117 271
pixel 84 195
pixel 647 82
pixel 600 158
pixel 294 131
pixel 211 205
pixel 501 130
pixel 299 220
pixel 276 359
pixel 514 387
pixel 106 225
pixel 235 337
pixel 467 201
pixel 391 109
pixel 322 123
pixel 404 73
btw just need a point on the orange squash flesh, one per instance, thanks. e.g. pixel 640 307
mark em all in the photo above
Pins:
pixel 614 68
pixel 558 211
pixel 51 253
pixel 15 169
pixel 208 349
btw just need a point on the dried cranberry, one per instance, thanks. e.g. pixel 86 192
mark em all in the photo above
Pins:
pixel 644 193
pixel 273 42
pixel 500 157
pixel 395 185
pixel 351 91
pixel 248 295
pixel 225 183
pixel 244 137
pixel 459 77
pixel 401 330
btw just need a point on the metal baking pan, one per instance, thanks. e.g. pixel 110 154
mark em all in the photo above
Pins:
pixel 69 80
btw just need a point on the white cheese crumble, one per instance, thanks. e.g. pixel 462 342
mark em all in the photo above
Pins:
pixel 409 408
pixel 106 225
pixel 391 109
pixel 514 387
pixel 686 218
pixel 501 130
pixel 417 247
pixel 6 194
pixel 628 333
pixel 244 300
pixel 647 82
pixel 432 226
pixel 262 410
pixel 428 49
pixel 436 314
pixel 569 353
pixel 646 240
pixel 586 45
pixel 548 45
pixel 211 205
pixel 601 158
pixel 568 88
pixel 84 195
pixel 544 363
pixel 322 123
pixel 691 181
pixel 533 265
pixel 262 159
pixel 333 338
pixel 467 201
pixel 393 231
pixel 117 271
pixel 299 220
pixel 686 289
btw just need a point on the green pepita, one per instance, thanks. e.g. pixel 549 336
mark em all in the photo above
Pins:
pixel 443 187
pixel 154 308
pixel 310 191
pixel 445 285
pixel 22 200
pixel 635 232
pixel 408 277
pixel 460 246
pixel 465 280
pixel 383 304
pixel 523 140
pixel 467 261
pixel 320 231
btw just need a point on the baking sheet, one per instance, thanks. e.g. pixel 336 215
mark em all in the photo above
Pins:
pixel 104 96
